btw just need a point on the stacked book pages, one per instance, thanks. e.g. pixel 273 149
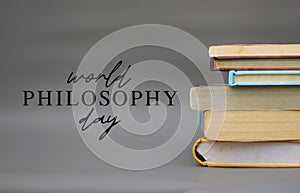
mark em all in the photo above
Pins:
pixel 259 124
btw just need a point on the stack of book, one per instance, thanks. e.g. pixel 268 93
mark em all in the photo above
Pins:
pixel 260 124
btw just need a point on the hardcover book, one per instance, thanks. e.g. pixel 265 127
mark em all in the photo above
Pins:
pixel 255 57
pixel 281 154
pixel 245 98
pixel 263 78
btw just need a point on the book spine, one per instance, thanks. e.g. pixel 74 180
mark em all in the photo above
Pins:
pixel 233 73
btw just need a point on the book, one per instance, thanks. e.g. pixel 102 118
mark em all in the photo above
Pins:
pixel 255 51
pixel 245 98
pixel 256 64
pixel 247 154
pixel 254 121
pixel 263 78
pixel 247 126
pixel 255 57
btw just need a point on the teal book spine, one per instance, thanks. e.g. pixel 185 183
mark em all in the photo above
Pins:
pixel 232 74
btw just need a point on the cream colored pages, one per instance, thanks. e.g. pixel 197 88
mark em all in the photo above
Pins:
pixel 252 125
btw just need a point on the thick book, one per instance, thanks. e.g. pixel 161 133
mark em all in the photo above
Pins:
pixel 245 98
pixel 264 77
pixel 247 126
pixel 281 154
pixel 255 57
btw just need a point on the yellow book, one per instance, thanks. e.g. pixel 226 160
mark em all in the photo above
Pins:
pixel 283 154
pixel 252 125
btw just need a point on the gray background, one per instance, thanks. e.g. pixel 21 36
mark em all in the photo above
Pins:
pixel 43 41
